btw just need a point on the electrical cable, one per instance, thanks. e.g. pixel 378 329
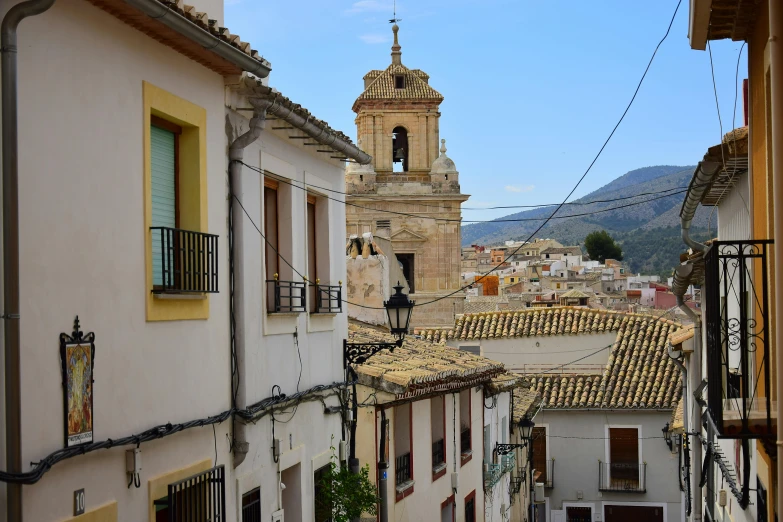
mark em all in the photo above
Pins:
pixel 249 414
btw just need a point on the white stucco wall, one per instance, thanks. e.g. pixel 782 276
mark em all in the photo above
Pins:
pixel 280 347
pixel 496 409
pixel 576 442
pixel 536 353
pixel 82 253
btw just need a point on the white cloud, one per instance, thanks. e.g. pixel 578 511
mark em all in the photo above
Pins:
pixel 365 6
pixel 519 188
pixel 374 38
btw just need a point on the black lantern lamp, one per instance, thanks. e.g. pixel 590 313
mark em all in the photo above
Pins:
pixel 667 436
pixel 526 426
pixel 399 309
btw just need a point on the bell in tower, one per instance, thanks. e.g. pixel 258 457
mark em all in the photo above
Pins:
pixel 410 194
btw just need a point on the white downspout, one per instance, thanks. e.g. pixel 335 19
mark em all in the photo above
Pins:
pixel 694 380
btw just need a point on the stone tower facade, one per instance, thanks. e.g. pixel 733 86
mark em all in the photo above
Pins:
pixel 410 192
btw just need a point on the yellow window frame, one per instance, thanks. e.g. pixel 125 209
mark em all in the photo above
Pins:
pixel 192 192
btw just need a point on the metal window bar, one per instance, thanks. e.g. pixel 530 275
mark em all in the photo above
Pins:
pixel 328 299
pixel 438 456
pixel 188 260
pixel 464 440
pixel 628 477
pixel 736 310
pixel 251 506
pixel 402 469
pixel 199 498
pixel 492 474
pixel 290 296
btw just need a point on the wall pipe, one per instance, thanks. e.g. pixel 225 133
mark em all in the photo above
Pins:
pixel 175 21
pixel 694 380
pixel 10 141
pixel 776 144
pixel 236 152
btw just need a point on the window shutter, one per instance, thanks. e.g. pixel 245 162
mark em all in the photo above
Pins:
pixel 164 193
pixel 624 445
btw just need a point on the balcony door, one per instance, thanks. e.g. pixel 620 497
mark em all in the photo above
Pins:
pixel 165 201
pixel 624 456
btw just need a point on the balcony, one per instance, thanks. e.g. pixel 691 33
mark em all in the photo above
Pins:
pixel 737 326
pixel 328 299
pixel 288 296
pixel 184 261
pixel 626 477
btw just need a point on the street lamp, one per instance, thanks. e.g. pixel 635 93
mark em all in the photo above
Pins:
pixel 398 310
pixel 526 425
pixel 667 436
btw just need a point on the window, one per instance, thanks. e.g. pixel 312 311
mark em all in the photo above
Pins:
pixel 180 257
pixel 438 429
pixel 399 81
pixel 271 232
pixel 466 444
pixel 283 293
pixel 447 513
pixel 190 499
pixel 539 454
pixel 251 506
pixel 624 471
pixel 403 450
pixel 470 507
pixel 312 253
pixel 323 295
pixel 407 263
pixel 321 506
pixel 503 430
pixel 488 445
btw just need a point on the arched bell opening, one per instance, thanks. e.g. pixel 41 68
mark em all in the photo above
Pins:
pixel 399 150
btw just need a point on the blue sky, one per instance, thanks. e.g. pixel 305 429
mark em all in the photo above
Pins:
pixel 531 89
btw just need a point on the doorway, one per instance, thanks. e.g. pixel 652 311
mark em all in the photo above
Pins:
pixel 292 493
pixel 579 514
pixel 636 513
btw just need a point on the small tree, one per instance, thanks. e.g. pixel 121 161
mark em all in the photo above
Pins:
pixel 346 494
pixel 600 246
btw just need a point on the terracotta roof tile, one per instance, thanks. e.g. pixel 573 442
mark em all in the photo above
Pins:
pixel 419 366
pixel 382 85
pixel 638 374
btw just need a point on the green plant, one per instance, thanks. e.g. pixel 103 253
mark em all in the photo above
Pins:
pixel 600 246
pixel 346 495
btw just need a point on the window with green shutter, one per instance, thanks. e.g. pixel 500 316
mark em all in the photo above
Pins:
pixel 163 148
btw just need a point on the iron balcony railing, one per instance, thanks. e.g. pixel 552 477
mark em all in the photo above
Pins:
pixel 184 261
pixel 328 299
pixel 289 296
pixel 199 498
pixel 629 477
pixel 438 456
pixel 492 474
pixel 464 441
pixel 402 469
pixel 737 326
pixel 507 463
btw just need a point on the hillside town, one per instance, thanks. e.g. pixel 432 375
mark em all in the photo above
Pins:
pixel 218 307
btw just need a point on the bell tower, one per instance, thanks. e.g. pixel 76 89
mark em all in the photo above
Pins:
pixel 410 192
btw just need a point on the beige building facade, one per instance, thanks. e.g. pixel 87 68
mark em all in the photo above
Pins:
pixel 410 193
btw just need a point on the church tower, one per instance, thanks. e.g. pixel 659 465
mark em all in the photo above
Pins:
pixel 410 192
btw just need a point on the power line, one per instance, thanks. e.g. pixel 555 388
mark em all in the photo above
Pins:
pixel 666 193
pixel 579 182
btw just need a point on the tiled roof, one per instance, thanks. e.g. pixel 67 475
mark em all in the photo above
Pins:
pixel 676 425
pixel 419 367
pixel 504 382
pixel 570 250
pixel 559 320
pixel 382 85
pixel 525 402
pixel 681 335
pixel 157 30
pixel 574 293
pixel 638 375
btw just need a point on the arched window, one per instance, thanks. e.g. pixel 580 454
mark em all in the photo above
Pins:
pixel 400 150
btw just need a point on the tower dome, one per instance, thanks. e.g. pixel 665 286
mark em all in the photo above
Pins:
pixel 443 164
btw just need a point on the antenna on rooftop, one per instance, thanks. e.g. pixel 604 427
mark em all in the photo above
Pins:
pixel 395 19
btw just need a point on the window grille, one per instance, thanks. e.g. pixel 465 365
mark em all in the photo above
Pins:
pixel 199 498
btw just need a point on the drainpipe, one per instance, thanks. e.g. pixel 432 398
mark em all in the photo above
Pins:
pixel 776 99
pixel 684 370
pixel 694 380
pixel 236 152
pixel 699 185
pixel 13 392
